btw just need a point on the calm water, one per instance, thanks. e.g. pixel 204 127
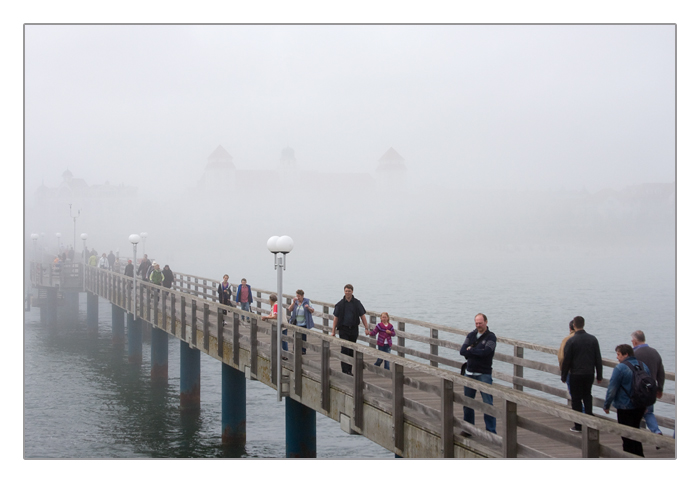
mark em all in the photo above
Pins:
pixel 83 400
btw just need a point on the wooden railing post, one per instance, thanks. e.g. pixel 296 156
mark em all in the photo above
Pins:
pixel 510 429
pixel 326 376
pixel 358 397
pixel 258 304
pixel 518 369
pixel 590 442
pixel 447 413
pixel 297 363
pixel 372 322
pixel 325 320
pixel 205 326
pixel 401 340
pixel 183 319
pixel 433 347
pixel 172 313
pixel 236 342
pixel 194 324
pixel 397 406
pixel 220 331
pixel 254 347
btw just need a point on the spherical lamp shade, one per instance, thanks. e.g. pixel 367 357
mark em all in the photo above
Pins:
pixel 35 236
pixel 83 236
pixel 272 244
pixel 134 238
pixel 285 244
pixel 144 234
pixel 58 235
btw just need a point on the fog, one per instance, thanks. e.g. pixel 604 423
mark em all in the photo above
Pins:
pixel 510 138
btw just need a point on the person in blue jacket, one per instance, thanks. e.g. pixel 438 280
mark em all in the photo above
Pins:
pixel 244 295
pixel 478 350
pixel 301 310
pixel 619 390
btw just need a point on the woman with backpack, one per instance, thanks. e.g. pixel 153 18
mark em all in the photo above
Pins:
pixel 621 392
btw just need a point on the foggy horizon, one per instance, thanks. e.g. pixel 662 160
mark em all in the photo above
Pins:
pixel 495 106
pixel 534 137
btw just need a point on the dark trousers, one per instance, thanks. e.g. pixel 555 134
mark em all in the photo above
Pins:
pixel 632 418
pixel 346 332
pixel 581 397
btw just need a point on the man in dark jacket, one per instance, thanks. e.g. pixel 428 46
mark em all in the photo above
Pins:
pixel 348 313
pixel 582 362
pixel 653 361
pixel 129 270
pixel 143 268
pixel 478 350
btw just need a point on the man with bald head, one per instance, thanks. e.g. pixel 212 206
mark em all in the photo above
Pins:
pixel 478 350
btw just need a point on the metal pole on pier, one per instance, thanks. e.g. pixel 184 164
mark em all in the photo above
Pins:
pixel 280 244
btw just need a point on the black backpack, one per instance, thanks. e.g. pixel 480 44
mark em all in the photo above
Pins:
pixel 643 387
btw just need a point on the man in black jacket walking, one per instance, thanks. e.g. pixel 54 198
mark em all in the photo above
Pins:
pixel 582 362
pixel 348 314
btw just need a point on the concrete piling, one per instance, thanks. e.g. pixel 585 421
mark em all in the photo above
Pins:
pixel 300 429
pixel 190 358
pixel 233 409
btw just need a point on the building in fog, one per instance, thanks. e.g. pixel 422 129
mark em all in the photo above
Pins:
pixel 391 171
pixel 220 175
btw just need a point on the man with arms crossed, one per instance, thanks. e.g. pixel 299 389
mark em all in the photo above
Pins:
pixel 478 350
pixel 582 361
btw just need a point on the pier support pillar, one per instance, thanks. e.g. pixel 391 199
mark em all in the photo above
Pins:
pixel 117 325
pixel 159 355
pixel 300 429
pixel 50 314
pixel 233 398
pixel 71 304
pixel 189 376
pixel 92 301
pixel 135 340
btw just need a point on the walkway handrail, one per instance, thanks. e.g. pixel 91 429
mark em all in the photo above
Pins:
pixel 249 345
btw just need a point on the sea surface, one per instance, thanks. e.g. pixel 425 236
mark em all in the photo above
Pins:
pixel 83 400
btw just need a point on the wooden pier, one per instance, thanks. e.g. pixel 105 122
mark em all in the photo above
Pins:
pixel 414 409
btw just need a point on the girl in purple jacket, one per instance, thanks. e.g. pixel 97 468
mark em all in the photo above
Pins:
pixel 384 331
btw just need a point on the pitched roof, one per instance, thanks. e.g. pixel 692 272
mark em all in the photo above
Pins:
pixel 391 155
pixel 220 154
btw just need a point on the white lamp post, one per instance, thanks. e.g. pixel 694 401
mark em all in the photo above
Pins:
pixel 280 244
pixel 135 239
pixel 144 235
pixel 58 237
pixel 83 236
pixel 75 218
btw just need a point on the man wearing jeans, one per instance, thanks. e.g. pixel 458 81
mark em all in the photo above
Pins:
pixel 583 361
pixel 478 350
pixel 244 295
pixel 652 359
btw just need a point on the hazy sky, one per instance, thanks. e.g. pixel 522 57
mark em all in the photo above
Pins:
pixel 541 106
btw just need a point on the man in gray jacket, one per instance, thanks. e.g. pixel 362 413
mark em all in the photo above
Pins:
pixel 652 359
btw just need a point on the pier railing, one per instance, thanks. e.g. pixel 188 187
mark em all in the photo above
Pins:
pixel 388 406
pixel 421 341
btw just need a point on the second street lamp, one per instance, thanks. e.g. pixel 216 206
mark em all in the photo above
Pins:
pixel 280 244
